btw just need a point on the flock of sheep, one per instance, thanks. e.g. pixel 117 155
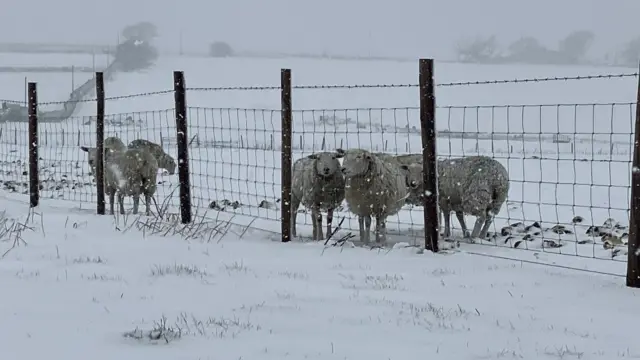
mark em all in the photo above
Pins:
pixel 374 185
pixel 377 185
pixel 130 171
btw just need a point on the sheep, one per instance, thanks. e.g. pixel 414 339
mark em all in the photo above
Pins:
pixel 317 184
pixel 130 172
pixel 406 163
pixel 109 143
pixel 374 187
pixel 474 185
pixel 165 161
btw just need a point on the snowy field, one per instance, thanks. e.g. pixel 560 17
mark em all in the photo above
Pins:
pixel 52 87
pixel 235 140
pixel 112 288
pixel 24 59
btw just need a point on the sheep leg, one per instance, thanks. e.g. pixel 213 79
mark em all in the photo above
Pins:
pixel 121 202
pixel 381 230
pixel 485 228
pixel 361 228
pixel 480 220
pixel 112 201
pixel 329 222
pixel 316 222
pixel 136 203
pixel 295 203
pixel 319 224
pixel 447 224
pixel 147 204
pixel 367 228
pixel 463 224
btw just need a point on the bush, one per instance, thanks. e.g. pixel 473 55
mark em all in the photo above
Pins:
pixel 220 49
pixel 133 55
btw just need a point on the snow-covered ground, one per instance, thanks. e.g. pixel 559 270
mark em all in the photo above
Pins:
pixel 83 286
pixel 236 135
pixel 139 287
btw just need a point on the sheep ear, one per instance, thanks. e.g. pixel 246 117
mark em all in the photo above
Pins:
pixel 340 152
pixel 312 156
pixel 84 148
pixel 404 167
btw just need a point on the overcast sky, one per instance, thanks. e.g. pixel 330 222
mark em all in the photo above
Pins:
pixel 407 28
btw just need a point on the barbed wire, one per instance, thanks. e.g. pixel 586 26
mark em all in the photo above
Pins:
pixel 375 86
pixel 121 97
pixel 545 79
pixel 336 86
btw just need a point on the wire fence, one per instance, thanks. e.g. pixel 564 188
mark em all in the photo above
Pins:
pixel 569 165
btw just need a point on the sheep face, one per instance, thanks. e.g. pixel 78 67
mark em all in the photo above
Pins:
pixel 413 176
pixel 356 162
pixel 91 152
pixel 326 164
pixel 92 155
pixel 170 164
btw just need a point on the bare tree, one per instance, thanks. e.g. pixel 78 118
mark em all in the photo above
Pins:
pixel 576 45
pixel 630 54
pixel 477 50
pixel 220 49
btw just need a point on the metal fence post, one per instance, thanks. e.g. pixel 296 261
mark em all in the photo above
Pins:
pixel 100 142
pixel 183 146
pixel 34 183
pixel 286 162
pixel 429 159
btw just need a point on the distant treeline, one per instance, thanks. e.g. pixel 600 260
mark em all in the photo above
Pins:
pixel 572 50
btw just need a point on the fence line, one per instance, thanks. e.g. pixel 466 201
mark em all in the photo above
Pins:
pixel 568 163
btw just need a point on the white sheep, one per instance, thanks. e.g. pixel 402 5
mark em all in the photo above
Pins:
pixel 131 172
pixel 317 184
pixel 473 185
pixel 111 142
pixel 165 161
pixel 374 187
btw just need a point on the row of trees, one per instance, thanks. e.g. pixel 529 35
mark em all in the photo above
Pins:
pixel 572 49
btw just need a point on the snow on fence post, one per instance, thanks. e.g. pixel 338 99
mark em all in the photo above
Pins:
pixel 633 256
pixel 183 146
pixel 429 160
pixel 100 142
pixel 286 161
pixel 34 189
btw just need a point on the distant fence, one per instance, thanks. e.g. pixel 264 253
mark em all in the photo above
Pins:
pixel 16 111
pixel 569 164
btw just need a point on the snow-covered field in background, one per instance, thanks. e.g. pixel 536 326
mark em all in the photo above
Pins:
pixel 236 139
pixel 24 59
pixel 85 286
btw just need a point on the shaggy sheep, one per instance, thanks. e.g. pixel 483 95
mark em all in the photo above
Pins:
pixel 474 185
pixel 317 184
pixel 109 143
pixel 130 173
pixel 374 187
pixel 408 162
pixel 165 161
